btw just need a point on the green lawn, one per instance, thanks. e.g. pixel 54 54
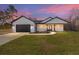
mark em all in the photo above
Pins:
pixel 58 44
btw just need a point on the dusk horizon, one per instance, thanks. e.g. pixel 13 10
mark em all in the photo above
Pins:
pixel 42 11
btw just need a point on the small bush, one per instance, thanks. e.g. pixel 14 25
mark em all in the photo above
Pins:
pixel 5 26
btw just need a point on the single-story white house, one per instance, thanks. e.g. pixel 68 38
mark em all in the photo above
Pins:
pixel 24 24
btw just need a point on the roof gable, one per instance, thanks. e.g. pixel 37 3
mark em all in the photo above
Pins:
pixel 47 19
pixel 23 20
pixel 54 20
pixel 21 17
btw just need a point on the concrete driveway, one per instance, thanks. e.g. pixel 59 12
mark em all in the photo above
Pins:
pixel 11 36
pixel 8 37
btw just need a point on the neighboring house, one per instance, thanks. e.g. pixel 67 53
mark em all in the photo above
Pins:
pixel 24 24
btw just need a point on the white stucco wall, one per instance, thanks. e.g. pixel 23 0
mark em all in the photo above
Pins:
pixel 32 28
pixel 14 28
pixel 59 27
pixel 41 27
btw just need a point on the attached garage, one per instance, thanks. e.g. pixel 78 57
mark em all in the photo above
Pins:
pixel 23 24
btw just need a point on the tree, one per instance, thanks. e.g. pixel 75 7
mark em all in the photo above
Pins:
pixel 7 15
pixel 11 12
pixel 2 17
pixel 74 19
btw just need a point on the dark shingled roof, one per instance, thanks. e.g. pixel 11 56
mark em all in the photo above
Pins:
pixel 24 17
pixel 40 21
pixel 50 18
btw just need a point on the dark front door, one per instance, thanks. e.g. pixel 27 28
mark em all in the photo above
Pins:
pixel 22 28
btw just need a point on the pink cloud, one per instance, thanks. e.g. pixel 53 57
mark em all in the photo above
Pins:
pixel 21 13
pixel 40 18
pixel 59 8
pixel 24 13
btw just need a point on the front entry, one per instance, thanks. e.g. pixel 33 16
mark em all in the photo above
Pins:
pixel 55 27
pixel 50 27
pixel 22 28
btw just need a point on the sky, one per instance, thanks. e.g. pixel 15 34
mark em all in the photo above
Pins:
pixel 41 11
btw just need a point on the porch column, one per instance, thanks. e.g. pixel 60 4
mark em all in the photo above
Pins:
pixel 54 27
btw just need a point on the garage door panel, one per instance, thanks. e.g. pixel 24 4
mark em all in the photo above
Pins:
pixel 22 28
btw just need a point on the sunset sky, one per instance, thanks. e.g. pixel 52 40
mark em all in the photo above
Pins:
pixel 41 11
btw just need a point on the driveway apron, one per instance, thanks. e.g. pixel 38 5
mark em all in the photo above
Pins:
pixel 8 37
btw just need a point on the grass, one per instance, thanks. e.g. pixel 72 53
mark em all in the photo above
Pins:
pixel 62 43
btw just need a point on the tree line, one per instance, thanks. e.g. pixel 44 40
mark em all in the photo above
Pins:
pixel 73 20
